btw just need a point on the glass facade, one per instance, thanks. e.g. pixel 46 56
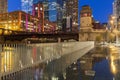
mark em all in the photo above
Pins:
pixel 27 6
pixel 52 9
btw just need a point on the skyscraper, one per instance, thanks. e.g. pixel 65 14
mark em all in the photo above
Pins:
pixel 53 10
pixel 116 13
pixel 26 5
pixel 72 10
pixel 60 11
pixel 3 6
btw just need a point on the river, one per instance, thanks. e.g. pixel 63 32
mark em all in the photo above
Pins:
pixel 101 63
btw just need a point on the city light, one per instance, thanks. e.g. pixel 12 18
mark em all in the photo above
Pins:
pixel 58 39
pixel 113 57
pixel 41 8
pixel 113 67
pixel 7 61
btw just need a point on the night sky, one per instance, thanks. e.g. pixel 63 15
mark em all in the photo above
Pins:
pixel 101 8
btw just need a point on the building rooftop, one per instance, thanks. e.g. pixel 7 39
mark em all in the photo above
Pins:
pixel 86 9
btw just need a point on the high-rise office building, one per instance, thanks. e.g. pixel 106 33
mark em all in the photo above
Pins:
pixel 3 6
pixel 53 10
pixel 116 13
pixel 26 6
pixel 72 10
pixel 60 11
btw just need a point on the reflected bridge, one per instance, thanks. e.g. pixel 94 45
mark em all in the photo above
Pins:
pixel 23 61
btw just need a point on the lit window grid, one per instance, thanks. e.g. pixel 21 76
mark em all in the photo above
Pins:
pixel 17 21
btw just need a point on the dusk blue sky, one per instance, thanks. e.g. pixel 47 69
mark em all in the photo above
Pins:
pixel 101 8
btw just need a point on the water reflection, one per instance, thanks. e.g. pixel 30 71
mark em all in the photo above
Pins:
pixel 102 70
pixel 20 60
pixel 95 65
pixel 6 59
pixel 115 61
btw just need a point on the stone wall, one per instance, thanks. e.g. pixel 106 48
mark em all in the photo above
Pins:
pixel 91 35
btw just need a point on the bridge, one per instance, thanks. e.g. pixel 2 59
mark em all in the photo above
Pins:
pixel 82 35
pixel 19 36
pixel 22 61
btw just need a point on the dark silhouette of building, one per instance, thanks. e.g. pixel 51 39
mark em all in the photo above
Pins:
pixel 98 26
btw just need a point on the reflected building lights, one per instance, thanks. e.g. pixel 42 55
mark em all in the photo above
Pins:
pixel 20 64
pixel 40 57
pixel 113 67
pixel 47 61
pixel 5 68
pixel 55 78
pixel 6 61
pixel 32 60
pixel 113 57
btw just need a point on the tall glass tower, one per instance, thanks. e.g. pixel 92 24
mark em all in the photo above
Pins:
pixel 52 9
pixel 3 6
pixel 55 9
pixel 27 5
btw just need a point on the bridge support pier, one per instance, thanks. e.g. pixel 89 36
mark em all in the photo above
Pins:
pixel 1 39
pixel 59 40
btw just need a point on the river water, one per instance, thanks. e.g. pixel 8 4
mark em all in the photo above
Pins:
pixel 101 63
